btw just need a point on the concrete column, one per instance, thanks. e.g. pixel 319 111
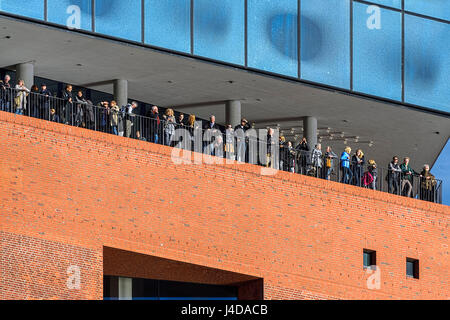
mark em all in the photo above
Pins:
pixel 233 114
pixel 121 92
pixel 25 72
pixel 310 131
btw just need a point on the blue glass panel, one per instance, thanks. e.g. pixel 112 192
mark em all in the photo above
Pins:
pixel 168 24
pixel 272 36
pixel 434 8
pixel 219 30
pixel 440 170
pixel 28 8
pixel 427 63
pixel 377 53
pixel 389 3
pixel 119 18
pixel 325 42
pixel 59 11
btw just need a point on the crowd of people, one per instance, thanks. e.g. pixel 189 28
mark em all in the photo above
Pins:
pixel 231 142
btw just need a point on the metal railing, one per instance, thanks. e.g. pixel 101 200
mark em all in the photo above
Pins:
pixel 239 145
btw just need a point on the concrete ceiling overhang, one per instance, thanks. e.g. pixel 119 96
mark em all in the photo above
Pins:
pixel 200 87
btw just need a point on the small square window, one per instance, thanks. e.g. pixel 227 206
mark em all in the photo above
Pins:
pixel 369 258
pixel 412 268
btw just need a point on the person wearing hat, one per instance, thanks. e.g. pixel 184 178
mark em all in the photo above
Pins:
pixel 241 147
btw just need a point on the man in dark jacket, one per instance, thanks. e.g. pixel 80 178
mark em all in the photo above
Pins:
pixel 211 131
pixel 303 155
pixel 241 145
pixel 155 124
pixel 45 101
pixel 5 94
pixel 393 177
pixel 407 178
pixel 67 107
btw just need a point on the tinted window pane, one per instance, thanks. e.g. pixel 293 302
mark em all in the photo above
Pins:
pixel 390 3
pixel 219 30
pixel 377 53
pixel 29 8
pixel 427 63
pixel 272 36
pixel 435 8
pixel 168 24
pixel 367 260
pixel 410 268
pixel 119 18
pixel 325 42
pixel 61 11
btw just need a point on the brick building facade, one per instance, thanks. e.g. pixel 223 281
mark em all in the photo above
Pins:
pixel 73 197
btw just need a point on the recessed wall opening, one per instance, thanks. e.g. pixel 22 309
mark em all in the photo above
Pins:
pixel 133 276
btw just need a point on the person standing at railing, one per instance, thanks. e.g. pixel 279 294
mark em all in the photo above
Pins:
pixel 169 126
pixel 358 162
pixel 90 117
pixel 329 162
pixel 114 117
pixel 229 142
pixel 347 174
pixel 241 144
pixel 54 116
pixel 5 94
pixel 393 176
pixel 34 102
pixel 211 129
pixel 67 107
pixel 316 161
pixel 372 169
pixel 407 178
pixel 427 185
pixel 270 149
pixel 20 100
pixel 155 125
pixel 80 103
pixel 2 96
pixel 191 126
pixel 45 102
pixel 283 153
pixel 290 157
pixel 103 110
pixel 130 116
pixel 303 155
pixel 181 121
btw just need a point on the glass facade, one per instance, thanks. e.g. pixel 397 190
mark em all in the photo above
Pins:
pixel 219 30
pixel 28 8
pixel 272 36
pixel 65 11
pixel 390 3
pixel 119 18
pixel 377 54
pixel 434 8
pixel 427 63
pixel 325 42
pixel 322 41
pixel 168 24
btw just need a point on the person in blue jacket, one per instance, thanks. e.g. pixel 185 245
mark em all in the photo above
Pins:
pixel 347 174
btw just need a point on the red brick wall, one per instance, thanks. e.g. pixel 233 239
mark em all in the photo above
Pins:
pixel 70 191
